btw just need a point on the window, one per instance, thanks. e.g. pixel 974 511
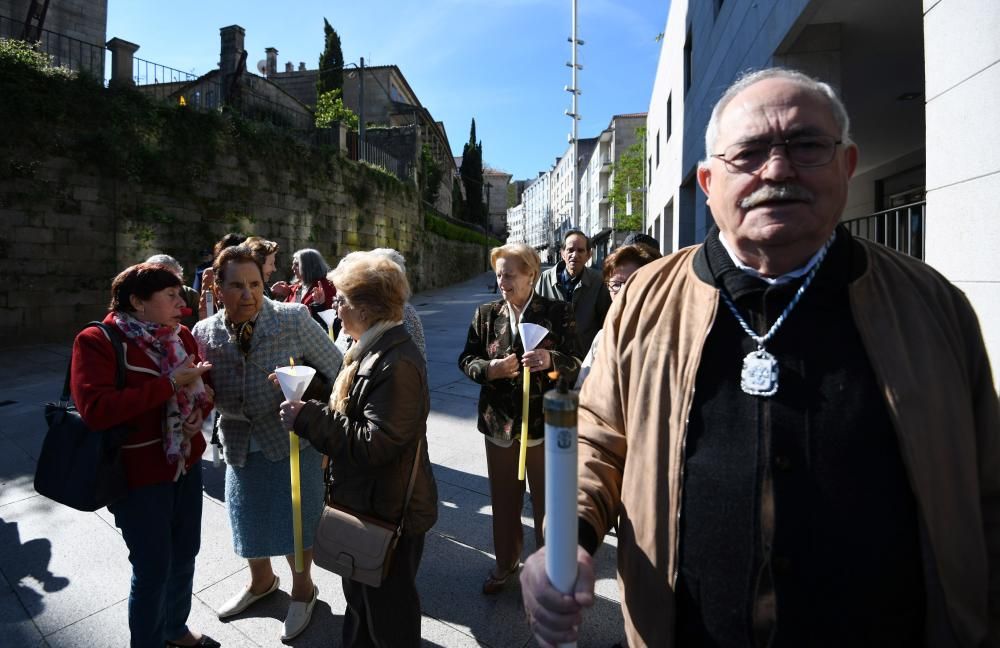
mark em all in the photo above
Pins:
pixel 670 115
pixel 657 149
pixel 649 173
pixel 688 46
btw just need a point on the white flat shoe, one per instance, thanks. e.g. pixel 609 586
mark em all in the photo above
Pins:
pixel 299 614
pixel 244 599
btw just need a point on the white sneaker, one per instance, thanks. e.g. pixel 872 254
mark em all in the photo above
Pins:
pixel 299 614
pixel 244 599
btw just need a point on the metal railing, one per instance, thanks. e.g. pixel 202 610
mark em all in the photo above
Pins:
pixel 900 228
pixel 375 156
pixel 63 51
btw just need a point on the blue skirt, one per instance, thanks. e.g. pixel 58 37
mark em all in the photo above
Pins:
pixel 259 499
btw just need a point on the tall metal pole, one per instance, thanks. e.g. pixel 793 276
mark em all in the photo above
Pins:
pixel 576 119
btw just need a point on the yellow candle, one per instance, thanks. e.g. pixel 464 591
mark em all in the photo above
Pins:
pixel 523 457
pixel 293 466
pixel 330 331
pixel 293 461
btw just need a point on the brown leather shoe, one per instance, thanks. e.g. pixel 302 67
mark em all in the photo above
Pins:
pixel 495 584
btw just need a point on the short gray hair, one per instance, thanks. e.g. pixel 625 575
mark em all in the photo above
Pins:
pixel 167 260
pixel 392 255
pixel 749 78
pixel 312 265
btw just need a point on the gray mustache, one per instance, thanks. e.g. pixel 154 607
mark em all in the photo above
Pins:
pixel 776 192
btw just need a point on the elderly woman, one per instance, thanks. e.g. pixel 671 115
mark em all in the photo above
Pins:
pixel 618 267
pixel 245 342
pixel 411 320
pixel 266 253
pixel 163 403
pixel 493 357
pixel 373 430
pixel 310 287
pixel 189 317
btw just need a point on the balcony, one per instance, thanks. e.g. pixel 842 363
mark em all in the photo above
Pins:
pixel 899 228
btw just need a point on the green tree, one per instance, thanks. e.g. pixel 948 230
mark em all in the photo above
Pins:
pixel 472 178
pixel 430 175
pixel 330 108
pixel 628 185
pixel 331 62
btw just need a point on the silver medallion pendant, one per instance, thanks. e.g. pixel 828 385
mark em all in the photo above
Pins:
pixel 760 374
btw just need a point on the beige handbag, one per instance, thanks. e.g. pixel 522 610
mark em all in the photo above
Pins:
pixel 358 546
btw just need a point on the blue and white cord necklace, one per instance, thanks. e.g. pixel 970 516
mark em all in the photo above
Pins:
pixel 760 369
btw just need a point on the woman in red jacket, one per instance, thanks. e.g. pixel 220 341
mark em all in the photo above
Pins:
pixel 163 403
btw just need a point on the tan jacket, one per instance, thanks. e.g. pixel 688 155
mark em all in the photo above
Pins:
pixel 926 349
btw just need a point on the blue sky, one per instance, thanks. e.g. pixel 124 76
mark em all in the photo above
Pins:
pixel 500 61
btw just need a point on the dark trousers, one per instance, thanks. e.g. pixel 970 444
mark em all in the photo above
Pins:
pixel 161 525
pixel 507 500
pixel 387 616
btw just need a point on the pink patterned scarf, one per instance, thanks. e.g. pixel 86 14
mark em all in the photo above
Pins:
pixel 163 345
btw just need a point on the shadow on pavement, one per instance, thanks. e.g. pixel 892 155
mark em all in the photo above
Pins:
pixel 32 562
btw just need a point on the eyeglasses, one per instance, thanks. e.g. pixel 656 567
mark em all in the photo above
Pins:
pixel 802 151
pixel 337 302
pixel 615 286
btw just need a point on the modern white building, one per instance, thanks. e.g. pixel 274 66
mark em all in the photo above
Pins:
pixel 597 212
pixel 538 213
pixel 515 224
pixel 922 86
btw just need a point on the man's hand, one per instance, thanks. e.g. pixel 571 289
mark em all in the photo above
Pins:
pixel 555 617
pixel 508 368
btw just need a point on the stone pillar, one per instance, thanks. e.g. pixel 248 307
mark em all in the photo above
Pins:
pixel 122 52
pixel 271 66
pixel 232 48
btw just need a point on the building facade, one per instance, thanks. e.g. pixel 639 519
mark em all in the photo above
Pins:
pixel 538 214
pixel 922 113
pixel 598 217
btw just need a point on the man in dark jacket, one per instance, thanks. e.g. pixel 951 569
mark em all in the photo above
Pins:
pixel 572 281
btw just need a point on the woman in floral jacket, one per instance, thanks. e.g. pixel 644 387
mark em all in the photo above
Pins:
pixel 494 357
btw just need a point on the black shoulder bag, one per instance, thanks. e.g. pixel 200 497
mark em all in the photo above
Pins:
pixel 80 467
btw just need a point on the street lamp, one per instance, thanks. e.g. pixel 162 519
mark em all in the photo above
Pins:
pixel 361 105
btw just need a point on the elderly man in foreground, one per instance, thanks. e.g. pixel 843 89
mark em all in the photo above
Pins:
pixel 796 431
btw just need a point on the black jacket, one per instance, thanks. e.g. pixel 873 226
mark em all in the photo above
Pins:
pixel 372 447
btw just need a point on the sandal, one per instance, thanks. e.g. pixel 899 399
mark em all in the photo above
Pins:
pixel 495 584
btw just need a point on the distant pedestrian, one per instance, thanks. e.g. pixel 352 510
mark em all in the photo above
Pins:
pixel 494 357
pixel 203 281
pixel 310 287
pixel 191 297
pixel 572 281
pixel 163 404
pixel 266 253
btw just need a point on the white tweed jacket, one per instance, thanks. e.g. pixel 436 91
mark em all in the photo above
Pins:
pixel 246 400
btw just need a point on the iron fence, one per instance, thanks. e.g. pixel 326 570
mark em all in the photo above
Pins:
pixel 375 156
pixel 63 51
pixel 900 228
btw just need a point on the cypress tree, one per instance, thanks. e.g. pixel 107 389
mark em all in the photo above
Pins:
pixel 472 178
pixel 331 62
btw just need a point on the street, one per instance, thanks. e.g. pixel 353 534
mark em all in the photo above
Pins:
pixel 66 573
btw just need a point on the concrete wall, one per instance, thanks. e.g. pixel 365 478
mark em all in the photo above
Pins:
pixel 69 230
pixel 963 153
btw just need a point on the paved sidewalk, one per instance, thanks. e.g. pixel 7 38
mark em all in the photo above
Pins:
pixel 65 574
